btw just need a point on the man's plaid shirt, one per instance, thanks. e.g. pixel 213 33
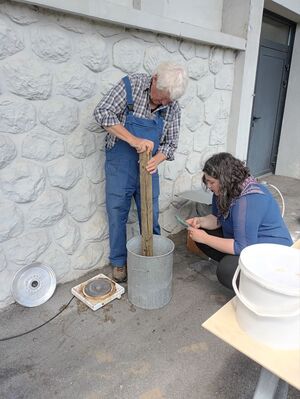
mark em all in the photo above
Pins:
pixel 112 111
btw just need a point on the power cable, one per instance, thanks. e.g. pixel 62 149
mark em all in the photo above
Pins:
pixel 36 328
pixel 279 193
pixel 281 197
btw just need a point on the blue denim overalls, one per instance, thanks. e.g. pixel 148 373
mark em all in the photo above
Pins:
pixel 123 179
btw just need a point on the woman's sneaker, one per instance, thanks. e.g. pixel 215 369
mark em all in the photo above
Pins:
pixel 119 274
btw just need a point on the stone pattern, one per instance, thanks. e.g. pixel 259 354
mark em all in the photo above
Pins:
pixel 54 68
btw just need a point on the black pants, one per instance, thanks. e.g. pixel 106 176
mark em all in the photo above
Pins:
pixel 227 263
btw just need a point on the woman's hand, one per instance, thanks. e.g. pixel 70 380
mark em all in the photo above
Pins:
pixel 197 235
pixel 208 222
pixel 194 222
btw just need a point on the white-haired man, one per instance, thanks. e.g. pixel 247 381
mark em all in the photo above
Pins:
pixel 140 113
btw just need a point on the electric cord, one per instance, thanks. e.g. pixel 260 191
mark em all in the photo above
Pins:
pixel 280 195
pixel 64 307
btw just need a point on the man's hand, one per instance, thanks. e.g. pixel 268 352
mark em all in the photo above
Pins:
pixel 152 165
pixel 142 145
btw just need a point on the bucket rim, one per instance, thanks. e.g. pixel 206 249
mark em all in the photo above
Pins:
pixel 154 256
pixel 263 312
pixel 273 285
pixel 259 311
pixel 266 284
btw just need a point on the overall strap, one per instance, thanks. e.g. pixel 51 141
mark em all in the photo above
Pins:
pixel 162 113
pixel 128 93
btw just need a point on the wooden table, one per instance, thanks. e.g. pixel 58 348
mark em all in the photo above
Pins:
pixel 276 364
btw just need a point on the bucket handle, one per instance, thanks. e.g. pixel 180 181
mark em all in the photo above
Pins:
pixel 249 305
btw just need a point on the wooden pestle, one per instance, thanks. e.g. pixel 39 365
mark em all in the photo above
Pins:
pixel 146 206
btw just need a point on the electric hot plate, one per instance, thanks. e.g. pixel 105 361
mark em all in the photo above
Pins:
pixel 98 291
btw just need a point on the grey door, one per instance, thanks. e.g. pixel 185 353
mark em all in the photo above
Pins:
pixel 270 92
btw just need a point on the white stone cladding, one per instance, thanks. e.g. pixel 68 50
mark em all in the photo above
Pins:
pixel 54 68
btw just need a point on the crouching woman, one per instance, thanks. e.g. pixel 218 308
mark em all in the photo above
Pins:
pixel 244 212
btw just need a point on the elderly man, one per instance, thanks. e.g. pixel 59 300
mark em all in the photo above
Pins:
pixel 140 113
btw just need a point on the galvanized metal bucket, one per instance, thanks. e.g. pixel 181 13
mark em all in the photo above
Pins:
pixel 150 277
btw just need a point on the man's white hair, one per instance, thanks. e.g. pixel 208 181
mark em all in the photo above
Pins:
pixel 171 77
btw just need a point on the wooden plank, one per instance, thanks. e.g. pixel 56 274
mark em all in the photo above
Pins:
pixel 146 206
pixel 296 244
pixel 283 363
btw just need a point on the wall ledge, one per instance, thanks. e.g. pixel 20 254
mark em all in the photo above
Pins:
pixel 132 18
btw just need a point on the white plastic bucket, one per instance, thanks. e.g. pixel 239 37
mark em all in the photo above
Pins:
pixel 268 305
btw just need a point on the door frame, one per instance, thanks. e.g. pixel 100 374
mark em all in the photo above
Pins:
pixel 289 50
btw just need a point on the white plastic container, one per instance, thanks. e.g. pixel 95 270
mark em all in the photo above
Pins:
pixel 268 305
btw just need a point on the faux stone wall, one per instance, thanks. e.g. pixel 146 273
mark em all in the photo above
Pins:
pixel 54 68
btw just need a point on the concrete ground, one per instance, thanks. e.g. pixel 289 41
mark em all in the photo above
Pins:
pixel 121 351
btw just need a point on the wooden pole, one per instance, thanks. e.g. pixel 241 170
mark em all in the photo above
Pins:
pixel 146 206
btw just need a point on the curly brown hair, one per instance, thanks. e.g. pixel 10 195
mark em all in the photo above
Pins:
pixel 231 173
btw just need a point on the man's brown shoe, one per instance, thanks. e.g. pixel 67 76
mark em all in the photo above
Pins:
pixel 119 274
